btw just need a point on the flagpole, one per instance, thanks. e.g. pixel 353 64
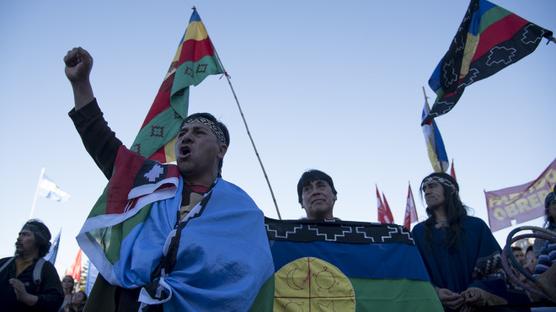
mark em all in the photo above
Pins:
pixel 247 129
pixel 36 193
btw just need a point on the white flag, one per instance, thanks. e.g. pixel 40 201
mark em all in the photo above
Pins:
pixel 50 190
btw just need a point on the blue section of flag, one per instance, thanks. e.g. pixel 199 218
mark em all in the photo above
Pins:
pixel 53 252
pixel 435 145
pixel 441 154
pixel 194 17
pixel 377 261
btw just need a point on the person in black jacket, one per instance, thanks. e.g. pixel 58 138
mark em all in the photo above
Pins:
pixel 27 281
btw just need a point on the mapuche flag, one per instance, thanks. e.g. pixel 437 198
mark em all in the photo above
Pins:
pixel 344 266
pixel 120 209
pixel 488 39
pixel 195 59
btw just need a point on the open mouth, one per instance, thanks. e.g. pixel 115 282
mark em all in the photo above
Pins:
pixel 185 151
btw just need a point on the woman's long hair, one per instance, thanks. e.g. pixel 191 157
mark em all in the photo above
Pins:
pixel 455 211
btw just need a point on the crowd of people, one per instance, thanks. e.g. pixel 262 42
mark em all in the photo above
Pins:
pixel 201 244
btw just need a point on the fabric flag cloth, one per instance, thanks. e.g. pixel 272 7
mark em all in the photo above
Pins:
pixel 435 145
pixel 410 210
pixel 92 274
pixel 53 251
pixel 386 213
pixel 127 235
pixel 75 269
pixel 344 266
pixel 49 189
pixel 381 208
pixel 520 203
pixel 453 170
pixel 488 39
pixel 194 60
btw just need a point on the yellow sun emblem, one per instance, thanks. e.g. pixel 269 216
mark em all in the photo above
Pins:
pixel 312 284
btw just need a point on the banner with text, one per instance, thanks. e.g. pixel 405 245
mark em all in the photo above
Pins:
pixel 520 203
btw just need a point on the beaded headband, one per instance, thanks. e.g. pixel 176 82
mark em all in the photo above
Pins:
pixel 440 180
pixel 211 125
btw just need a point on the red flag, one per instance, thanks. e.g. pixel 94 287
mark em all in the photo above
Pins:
pixel 388 218
pixel 410 211
pixel 453 171
pixel 383 209
pixel 75 269
pixel 379 205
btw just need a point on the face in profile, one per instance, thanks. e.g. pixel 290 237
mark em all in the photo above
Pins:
pixel 434 194
pixel 25 243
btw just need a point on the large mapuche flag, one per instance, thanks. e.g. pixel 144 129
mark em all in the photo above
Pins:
pixel 488 39
pixel 121 207
pixel 195 59
pixel 345 266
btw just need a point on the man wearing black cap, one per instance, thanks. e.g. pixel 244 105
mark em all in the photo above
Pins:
pixel 191 241
pixel 317 195
pixel 24 287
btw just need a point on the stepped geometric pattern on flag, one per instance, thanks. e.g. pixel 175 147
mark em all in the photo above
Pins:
pixel 435 145
pixel 488 39
pixel 49 189
pixel 194 60
pixel 344 266
pixel 410 211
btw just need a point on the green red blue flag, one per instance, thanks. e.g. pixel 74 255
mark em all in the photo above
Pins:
pixel 488 39
pixel 194 60
pixel 344 266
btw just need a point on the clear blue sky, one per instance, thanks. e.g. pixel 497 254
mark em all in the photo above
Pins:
pixel 327 85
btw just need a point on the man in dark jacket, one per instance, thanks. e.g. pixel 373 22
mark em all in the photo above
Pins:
pixel 27 281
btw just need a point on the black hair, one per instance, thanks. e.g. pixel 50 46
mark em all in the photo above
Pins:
pixel 549 221
pixel 310 176
pixel 455 210
pixel 219 124
pixel 42 235
pixel 529 248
